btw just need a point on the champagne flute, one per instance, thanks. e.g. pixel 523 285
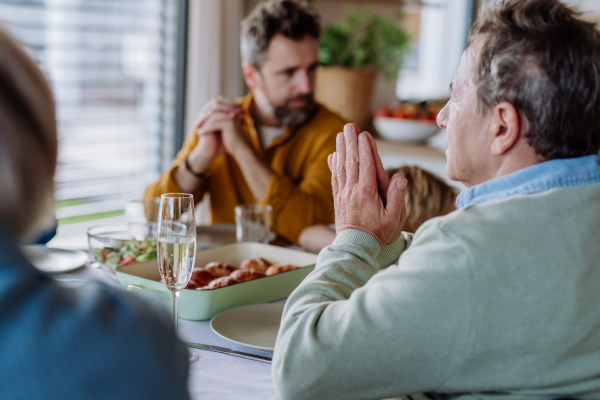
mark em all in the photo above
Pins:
pixel 176 236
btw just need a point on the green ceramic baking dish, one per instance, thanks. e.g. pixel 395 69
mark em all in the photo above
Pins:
pixel 200 305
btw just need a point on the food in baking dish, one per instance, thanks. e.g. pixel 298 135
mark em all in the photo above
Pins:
pixel 247 274
pixel 218 274
pixel 220 269
pixel 276 269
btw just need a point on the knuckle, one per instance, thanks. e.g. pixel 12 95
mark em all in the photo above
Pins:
pixel 365 163
pixel 351 160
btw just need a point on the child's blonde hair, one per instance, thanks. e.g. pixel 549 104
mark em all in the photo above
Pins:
pixel 427 196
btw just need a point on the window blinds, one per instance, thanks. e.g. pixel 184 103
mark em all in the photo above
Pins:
pixel 112 65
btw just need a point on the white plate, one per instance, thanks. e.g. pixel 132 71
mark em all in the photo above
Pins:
pixel 51 260
pixel 254 326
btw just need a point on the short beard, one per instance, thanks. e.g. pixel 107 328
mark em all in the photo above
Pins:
pixel 295 115
pixel 291 115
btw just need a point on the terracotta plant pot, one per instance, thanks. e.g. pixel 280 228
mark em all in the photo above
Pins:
pixel 347 92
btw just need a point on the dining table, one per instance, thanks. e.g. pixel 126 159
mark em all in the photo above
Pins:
pixel 213 375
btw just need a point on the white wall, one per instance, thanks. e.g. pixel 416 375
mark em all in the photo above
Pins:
pixel 214 62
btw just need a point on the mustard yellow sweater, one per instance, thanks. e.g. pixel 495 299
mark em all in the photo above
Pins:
pixel 300 190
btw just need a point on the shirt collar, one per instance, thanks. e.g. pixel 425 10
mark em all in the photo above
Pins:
pixel 536 178
pixel 247 104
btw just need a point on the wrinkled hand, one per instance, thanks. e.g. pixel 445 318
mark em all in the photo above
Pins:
pixel 363 198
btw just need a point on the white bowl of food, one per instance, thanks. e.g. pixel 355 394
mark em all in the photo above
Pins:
pixel 405 130
pixel 411 121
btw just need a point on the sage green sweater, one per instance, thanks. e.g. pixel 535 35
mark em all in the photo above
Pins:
pixel 499 301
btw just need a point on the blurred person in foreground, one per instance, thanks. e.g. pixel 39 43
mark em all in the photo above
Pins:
pixel 58 342
pixel 426 197
pixel 269 147
pixel 498 299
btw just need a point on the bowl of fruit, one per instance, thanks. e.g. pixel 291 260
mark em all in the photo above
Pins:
pixel 411 121
pixel 115 245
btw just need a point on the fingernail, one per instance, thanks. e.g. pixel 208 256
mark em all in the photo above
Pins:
pixel 340 138
pixel 361 137
pixel 334 157
pixel 347 129
pixel 401 184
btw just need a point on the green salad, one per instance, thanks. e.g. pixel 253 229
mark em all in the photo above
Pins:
pixel 133 251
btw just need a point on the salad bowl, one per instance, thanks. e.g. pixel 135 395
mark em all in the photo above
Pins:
pixel 115 245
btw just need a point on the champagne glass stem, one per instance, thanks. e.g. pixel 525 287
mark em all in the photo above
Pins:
pixel 175 308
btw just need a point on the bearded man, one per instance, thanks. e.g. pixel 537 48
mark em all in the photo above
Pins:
pixel 271 146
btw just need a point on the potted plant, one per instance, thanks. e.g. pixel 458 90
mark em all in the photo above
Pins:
pixel 351 55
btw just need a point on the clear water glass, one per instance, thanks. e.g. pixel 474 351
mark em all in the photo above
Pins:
pixel 141 216
pixel 253 222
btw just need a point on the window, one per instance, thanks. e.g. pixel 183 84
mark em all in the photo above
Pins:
pixel 429 68
pixel 112 66
pixel 586 5
pixel 590 9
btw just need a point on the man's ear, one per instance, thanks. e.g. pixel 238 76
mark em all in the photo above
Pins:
pixel 505 128
pixel 251 75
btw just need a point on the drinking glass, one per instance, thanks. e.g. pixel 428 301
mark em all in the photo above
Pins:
pixel 141 216
pixel 176 245
pixel 253 222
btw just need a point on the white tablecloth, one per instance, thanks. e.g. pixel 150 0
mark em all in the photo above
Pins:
pixel 213 375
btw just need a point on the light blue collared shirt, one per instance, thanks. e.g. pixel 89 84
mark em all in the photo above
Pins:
pixel 537 178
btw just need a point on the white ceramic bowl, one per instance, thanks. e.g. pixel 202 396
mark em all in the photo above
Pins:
pixel 405 130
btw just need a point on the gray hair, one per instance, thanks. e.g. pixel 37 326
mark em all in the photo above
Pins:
pixel 28 145
pixel 293 19
pixel 542 58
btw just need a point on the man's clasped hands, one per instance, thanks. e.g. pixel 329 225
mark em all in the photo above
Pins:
pixel 219 130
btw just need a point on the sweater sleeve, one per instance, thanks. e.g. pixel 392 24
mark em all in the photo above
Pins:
pixel 350 330
pixel 389 254
pixel 166 182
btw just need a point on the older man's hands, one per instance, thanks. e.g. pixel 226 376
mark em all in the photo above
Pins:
pixel 363 198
